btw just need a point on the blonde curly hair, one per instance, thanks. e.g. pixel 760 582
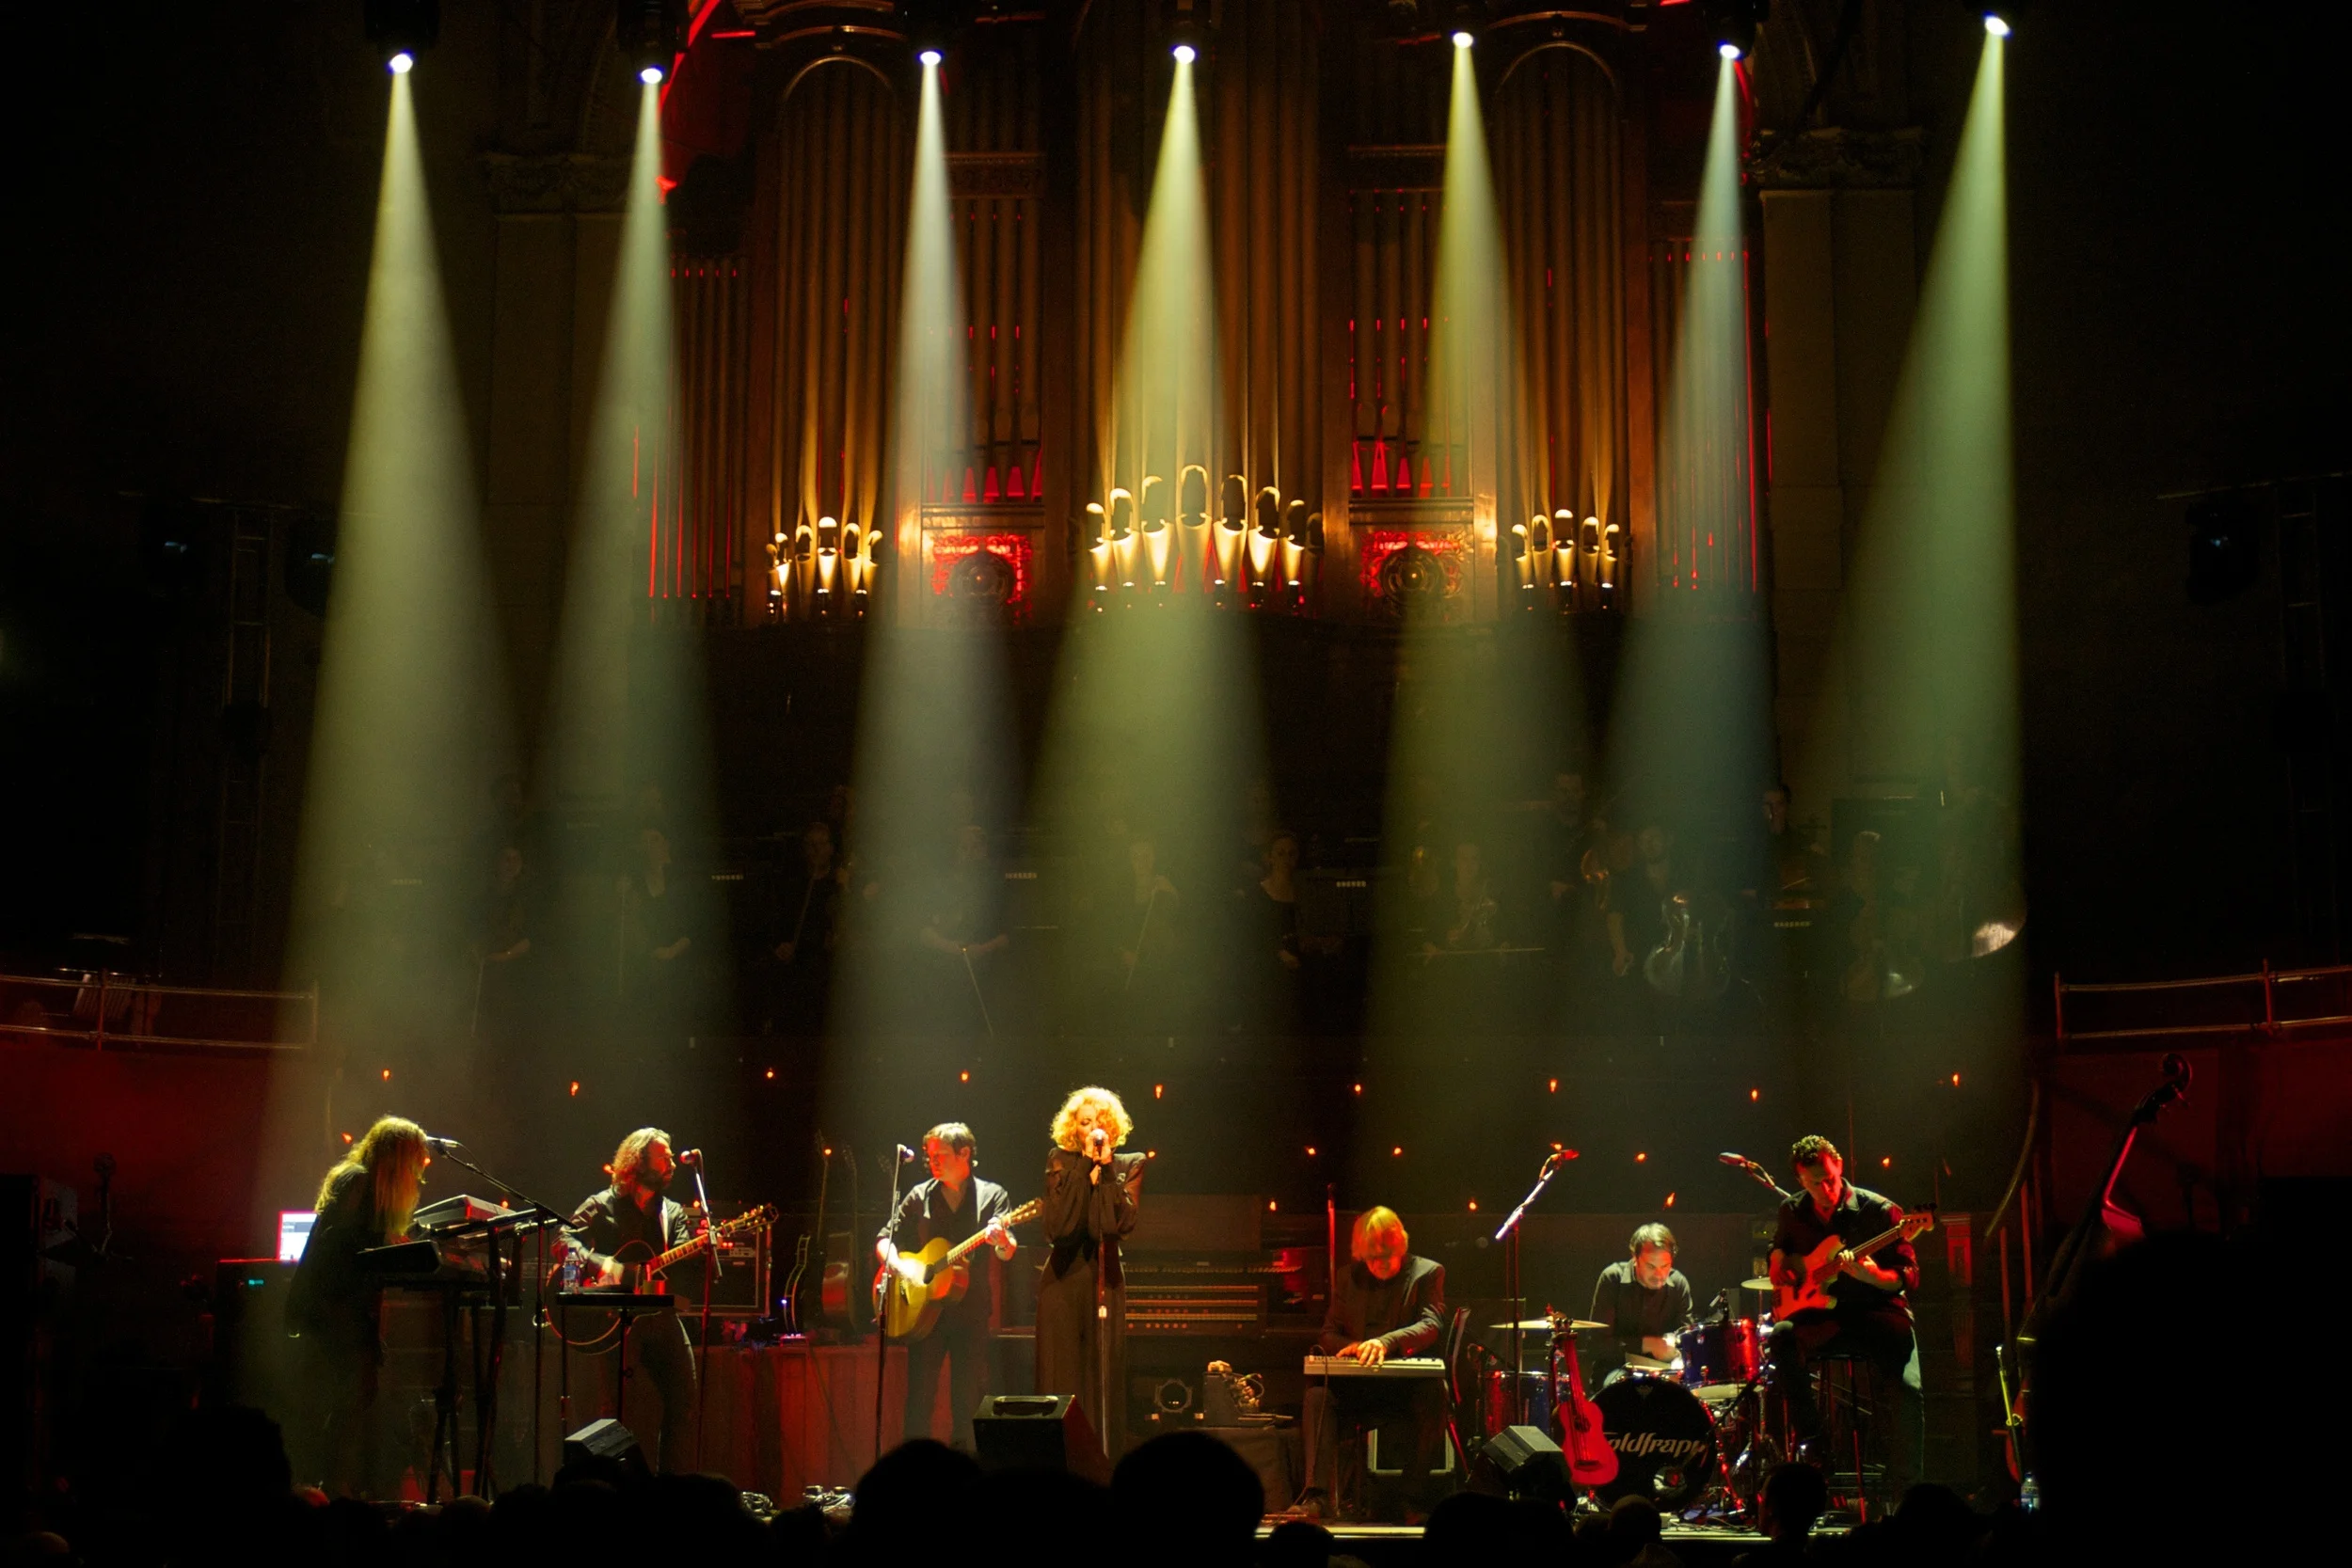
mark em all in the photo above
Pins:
pixel 391 1155
pixel 1066 1119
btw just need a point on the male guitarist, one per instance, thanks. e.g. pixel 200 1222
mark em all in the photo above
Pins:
pixel 956 1205
pixel 632 1218
pixel 1866 1315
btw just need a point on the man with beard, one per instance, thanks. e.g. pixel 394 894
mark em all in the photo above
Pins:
pixel 628 1222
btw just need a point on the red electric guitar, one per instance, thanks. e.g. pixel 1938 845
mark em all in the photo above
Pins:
pixel 1582 1443
pixel 1816 1268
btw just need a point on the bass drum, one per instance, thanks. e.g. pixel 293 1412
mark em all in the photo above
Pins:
pixel 1665 1439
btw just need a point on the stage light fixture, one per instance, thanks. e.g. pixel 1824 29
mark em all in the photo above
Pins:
pixel 931 27
pixel 1736 22
pixel 402 29
pixel 647 33
pixel 1995 24
pixel 1462 39
pixel 1184 53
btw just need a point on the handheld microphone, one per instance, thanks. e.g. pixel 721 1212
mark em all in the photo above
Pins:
pixel 442 1145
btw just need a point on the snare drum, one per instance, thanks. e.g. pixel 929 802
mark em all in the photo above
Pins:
pixel 1721 1358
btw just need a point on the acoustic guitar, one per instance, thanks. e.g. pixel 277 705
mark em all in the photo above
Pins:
pixel 1583 1442
pixel 1817 1268
pixel 912 1309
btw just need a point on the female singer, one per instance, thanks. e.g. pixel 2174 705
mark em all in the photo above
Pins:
pixel 1091 1192
pixel 366 1201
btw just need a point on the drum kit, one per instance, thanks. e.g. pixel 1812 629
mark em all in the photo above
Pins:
pixel 1691 1434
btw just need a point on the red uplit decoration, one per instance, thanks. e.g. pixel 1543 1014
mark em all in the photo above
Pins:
pixel 1450 548
pixel 706 94
pixel 1017 551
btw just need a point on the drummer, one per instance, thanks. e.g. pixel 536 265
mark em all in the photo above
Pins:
pixel 1644 1299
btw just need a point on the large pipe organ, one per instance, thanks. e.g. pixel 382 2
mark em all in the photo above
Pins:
pixel 1338 480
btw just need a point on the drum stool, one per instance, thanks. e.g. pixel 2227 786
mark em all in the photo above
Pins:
pixel 1846 1391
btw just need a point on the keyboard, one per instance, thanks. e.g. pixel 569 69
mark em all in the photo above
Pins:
pixel 1347 1366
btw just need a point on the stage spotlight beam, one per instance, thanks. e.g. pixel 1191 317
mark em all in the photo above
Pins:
pixel 1463 38
pixel 1184 53
pixel 402 63
pixel 1996 24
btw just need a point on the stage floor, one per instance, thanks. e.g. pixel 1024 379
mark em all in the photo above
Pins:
pixel 1399 1545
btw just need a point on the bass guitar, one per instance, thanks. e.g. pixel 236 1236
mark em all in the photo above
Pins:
pixel 911 1309
pixel 1582 1443
pixel 1816 1269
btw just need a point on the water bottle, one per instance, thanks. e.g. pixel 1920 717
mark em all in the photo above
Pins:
pixel 571 1267
pixel 2029 1495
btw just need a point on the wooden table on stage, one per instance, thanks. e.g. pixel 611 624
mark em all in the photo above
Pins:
pixel 783 1417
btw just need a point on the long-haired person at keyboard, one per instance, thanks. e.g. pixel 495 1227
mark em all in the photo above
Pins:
pixel 1388 1305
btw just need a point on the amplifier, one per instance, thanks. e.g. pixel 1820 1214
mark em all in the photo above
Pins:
pixel 1195 1308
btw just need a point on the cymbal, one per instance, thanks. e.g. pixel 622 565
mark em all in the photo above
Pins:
pixel 1542 1325
pixel 1647 1363
pixel 1759 1283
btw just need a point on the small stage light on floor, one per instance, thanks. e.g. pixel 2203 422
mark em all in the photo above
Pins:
pixel 402 29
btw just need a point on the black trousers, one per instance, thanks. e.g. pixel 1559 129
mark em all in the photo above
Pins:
pixel 959 1339
pixel 658 1348
pixel 1886 1340
pixel 1334 1430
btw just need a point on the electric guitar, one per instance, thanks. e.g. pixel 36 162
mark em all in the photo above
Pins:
pixel 1819 1267
pixel 636 1268
pixel 1582 1443
pixel 910 1310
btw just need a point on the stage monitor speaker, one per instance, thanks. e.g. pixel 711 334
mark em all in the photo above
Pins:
pixel 1522 1462
pixel 606 1438
pixel 1039 1432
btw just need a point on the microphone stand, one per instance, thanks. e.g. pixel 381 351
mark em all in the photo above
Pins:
pixel 1509 1232
pixel 702 1355
pixel 528 1205
pixel 881 1302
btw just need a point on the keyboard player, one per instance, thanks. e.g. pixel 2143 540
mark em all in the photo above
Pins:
pixel 1388 1305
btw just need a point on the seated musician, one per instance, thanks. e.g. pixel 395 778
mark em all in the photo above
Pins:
pixel 1645 1301
pixel 1388 1305
pixel 628 1222
pixel 954 1205
pixel 1869 1316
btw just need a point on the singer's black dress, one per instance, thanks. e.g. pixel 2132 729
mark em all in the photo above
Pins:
pixel 1084 1221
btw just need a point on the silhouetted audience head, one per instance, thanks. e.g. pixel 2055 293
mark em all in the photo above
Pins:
pixel 1475 1529
pixel 1185 1497
pixel 1795 1495
pixel 909 1493
pixel 1298 1544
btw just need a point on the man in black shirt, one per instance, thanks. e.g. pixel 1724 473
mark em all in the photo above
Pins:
pixel 953 1204
pixel 1388 1305
pixel 1644 1299
pixel 630 1222
pixel 1868 1316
